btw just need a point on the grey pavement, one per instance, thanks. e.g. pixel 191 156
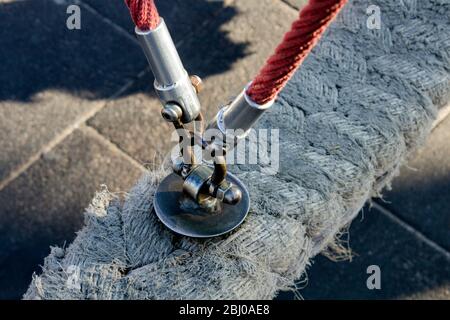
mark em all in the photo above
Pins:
pixel 410 267
pixel 44 206
pixel 77 112
pixel 421 194
pixel 297 4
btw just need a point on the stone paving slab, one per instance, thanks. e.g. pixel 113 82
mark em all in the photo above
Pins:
pixel 421 194
pixel 134 124
pixel 45 206
pixel 226 53
pixel 52 77
pixel 410 269
pixel 296 3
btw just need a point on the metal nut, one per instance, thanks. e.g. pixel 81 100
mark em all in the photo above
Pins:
pixel 227 193
pixel 197 83
pixel 232 196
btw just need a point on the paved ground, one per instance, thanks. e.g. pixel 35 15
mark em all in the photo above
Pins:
pixel 80 113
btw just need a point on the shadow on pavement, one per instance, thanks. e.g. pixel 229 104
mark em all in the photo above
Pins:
pixel 39 52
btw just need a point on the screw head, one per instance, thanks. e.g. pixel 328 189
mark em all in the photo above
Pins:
pixel 171 112
pixel 197 83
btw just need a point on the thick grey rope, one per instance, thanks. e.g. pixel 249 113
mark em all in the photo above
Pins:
pixel 361 103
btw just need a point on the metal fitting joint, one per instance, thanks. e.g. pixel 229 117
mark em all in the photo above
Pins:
pixel 172 83
pixel 235 120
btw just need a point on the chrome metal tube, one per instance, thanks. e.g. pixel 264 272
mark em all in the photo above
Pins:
pixel 235 120
pixel 172 83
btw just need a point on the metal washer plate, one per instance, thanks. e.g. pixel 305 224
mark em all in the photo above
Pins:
pixel 197 223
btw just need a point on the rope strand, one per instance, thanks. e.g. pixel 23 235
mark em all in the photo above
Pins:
pixel 144 14
pixel 297 43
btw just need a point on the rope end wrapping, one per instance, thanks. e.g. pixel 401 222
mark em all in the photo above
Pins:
pixel 144 14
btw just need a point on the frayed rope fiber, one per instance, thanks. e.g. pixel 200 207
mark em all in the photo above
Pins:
pixel 363 100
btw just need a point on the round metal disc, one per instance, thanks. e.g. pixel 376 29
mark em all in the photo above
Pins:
pixel 182 215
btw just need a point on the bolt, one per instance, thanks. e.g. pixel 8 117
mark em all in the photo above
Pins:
pixel 197 83
pixel 171 112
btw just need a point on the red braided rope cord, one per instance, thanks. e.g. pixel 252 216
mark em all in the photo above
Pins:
pixel 144 13
pixel 297 43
